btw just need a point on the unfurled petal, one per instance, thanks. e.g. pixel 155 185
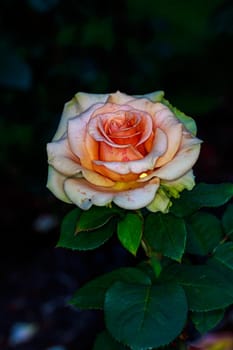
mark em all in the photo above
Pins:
pixel 97 179
pixel 119 98
pixel 142 165
pixel 84 195
pixel 78 138
pixel 86 100
pixel 183 161
pixel 62 159
pixel 71 109
pixel 137 198
pixel 55 184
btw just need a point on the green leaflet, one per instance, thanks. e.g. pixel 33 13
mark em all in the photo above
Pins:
pixel 145 317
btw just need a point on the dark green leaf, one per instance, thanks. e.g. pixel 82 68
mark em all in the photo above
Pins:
pixel 166 234
pixel 224 254
pixel 205 321
pixel 68 227
pixel 203 195
pixel 84 240
pixel 129 232
pixel 144 317
pixel 204 233
pixel 227 220
pixel 206 287
pixel 104 341
pixel 95 217
pixel 91 295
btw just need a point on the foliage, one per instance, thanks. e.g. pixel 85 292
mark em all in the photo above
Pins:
pixel 149 305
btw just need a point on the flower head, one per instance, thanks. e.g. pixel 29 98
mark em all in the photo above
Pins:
pixel 133 151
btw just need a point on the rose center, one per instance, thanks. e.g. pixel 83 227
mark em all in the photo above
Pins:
pixel 124 128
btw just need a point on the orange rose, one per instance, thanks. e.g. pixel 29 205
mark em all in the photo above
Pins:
pixel 129 150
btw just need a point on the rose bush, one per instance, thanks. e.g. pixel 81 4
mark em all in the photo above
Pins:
pixel 134 151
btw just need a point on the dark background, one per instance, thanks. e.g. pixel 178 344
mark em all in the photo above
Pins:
pixel 49 50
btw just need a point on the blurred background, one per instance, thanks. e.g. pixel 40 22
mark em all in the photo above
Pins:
pixel 49 50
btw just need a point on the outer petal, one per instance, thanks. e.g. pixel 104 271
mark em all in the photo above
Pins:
pixel 55 184
pixel 119 98
pixel 83 194
pixel 62 159
pixel 97 179
pixel 71 109
pixel 141 165
pixel 183 161
pixel 137 198
pixel 86 100
pixel 78 138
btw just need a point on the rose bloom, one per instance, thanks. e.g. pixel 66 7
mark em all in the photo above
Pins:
pixel 133 151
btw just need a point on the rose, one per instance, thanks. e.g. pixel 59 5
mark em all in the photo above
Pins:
pixel 133 151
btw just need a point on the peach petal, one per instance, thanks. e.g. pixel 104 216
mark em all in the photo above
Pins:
pixel 185 158
pixel 84 195
pixel 86 100
pixel 165 120
pixel 55 184
pixel 62 159
pixel 113 175
pixel 77 137
pixel 141 165
pixel 137 198
pixel 119 98
pixel 97 179
pixel 71 109
pixel 112 154
pixel 145 105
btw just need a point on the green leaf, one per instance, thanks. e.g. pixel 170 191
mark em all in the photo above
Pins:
pixel 166 234
pixel 129 231
pixel 207 288
pixel 204 233
pixel 227 220
pixel 95 217
pixel 224 254
pixel 202 195
pixel 205 321
pixel 91 295
pixel 144 317
pixel 68 227
pixel 84 240
pixel 104 341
